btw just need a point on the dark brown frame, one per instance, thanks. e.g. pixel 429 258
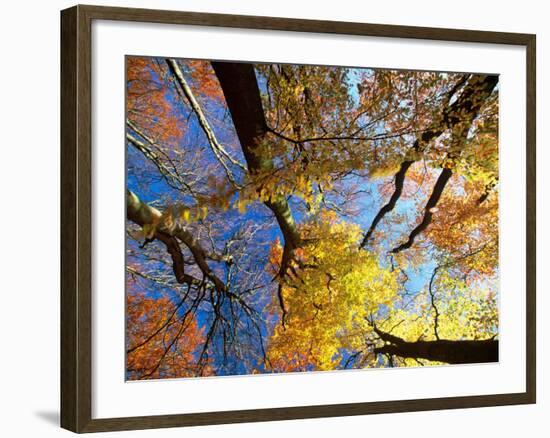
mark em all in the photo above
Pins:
pixel 76 222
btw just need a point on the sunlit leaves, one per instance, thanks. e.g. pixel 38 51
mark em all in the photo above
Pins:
pixel 332 291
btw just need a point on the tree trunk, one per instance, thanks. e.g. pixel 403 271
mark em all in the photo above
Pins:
pixel 453 352
pixel 242 95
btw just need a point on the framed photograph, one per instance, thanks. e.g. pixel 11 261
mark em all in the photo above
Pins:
pixel 268 219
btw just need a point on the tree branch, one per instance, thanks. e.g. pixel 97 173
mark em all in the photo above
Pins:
pixel 442 350
pixel 488 189
pixel 219 151
pixel 143 214
pixel 160 328
pixel 459 120
pixel 399 180
pixel 460 113
pixel 437 191
pixel 174 180
pixel 242 95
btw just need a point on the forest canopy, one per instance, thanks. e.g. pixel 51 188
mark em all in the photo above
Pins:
pixel 285 218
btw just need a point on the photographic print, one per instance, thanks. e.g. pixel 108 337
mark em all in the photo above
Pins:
pixel 291 218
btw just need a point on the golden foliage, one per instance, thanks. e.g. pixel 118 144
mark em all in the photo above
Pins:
pixel 336 286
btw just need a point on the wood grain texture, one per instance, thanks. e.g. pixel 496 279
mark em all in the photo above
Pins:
pixel 76 224
pixel 69 329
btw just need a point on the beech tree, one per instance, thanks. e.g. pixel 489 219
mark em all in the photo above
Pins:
pixel 293 218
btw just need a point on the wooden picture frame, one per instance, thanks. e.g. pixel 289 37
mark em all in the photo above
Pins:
pixel 76 218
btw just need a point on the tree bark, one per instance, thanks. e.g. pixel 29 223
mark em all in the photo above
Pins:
pixel 242 95
pixel 443 350
pixel 437 191
pixel 142 214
